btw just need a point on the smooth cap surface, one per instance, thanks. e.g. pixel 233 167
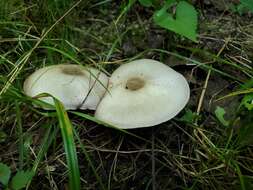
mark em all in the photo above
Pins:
pixel 143 93
pixel 70 84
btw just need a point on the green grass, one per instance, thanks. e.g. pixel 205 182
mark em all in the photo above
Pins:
pixel 69 145
pixel 193 151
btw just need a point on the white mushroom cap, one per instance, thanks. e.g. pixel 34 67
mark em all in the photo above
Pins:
pixel 143 93
pixel 68 83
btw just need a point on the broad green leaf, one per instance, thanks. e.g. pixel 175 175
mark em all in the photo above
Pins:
pixel 247 101
pixel 189 116
pixel 185 22
pixel 220 112
pixel 20 180
pixel 146 3
pixel 247 4
pixel 240 9
pixel 5 174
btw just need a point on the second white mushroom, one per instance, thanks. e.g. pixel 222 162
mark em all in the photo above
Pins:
pixel 74 85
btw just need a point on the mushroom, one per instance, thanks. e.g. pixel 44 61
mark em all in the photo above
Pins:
pixel 143 93
pixel 75 86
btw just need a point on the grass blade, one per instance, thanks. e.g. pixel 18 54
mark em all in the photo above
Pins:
pixel 47 140
pixel 21 136
pixel 69 145
pixel 89 161
pixel 91 118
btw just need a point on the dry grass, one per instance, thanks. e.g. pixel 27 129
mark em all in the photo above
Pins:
pixel 192 151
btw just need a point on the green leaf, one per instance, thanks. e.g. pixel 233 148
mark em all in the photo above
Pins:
pixel 21 178
pixel 241 9
pixel 220 112
pixel 189 117
pixel 248 4
pixel 5 174
pixel 185 22
pixel 247 101
pixel 146 3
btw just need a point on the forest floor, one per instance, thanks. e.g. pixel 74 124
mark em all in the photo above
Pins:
pixel 207 146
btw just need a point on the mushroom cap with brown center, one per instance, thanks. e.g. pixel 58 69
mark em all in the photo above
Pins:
pixel 143 93
pixel 74 85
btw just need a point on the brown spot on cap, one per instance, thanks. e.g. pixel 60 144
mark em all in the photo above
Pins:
pixel 135 83
pixel 72 70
